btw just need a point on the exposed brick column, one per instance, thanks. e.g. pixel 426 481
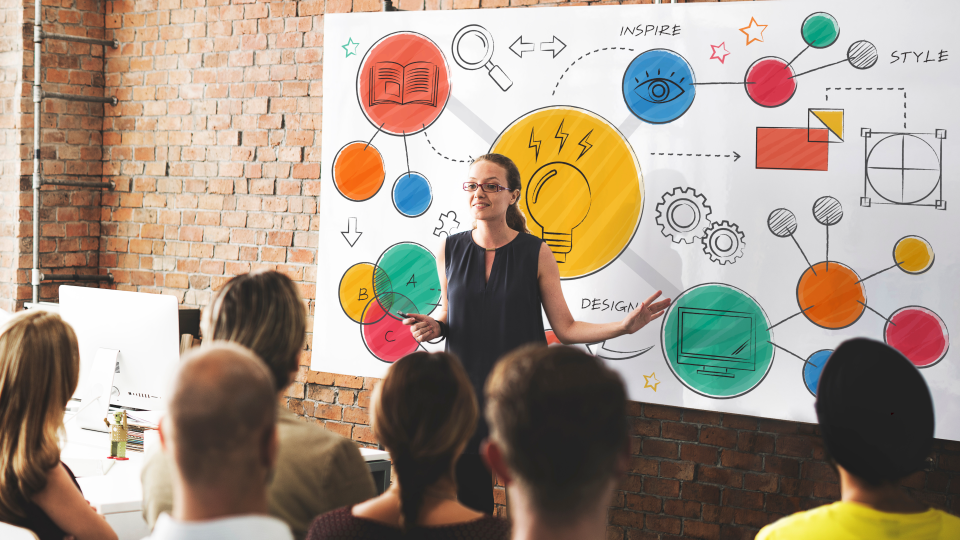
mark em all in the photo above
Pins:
pixel 11 69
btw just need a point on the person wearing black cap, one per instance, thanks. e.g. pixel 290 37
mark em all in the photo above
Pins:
pixel 876 418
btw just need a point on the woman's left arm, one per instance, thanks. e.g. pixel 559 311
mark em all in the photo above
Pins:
pixel 569 330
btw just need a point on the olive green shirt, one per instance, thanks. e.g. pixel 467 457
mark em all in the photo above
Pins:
pixel 316 471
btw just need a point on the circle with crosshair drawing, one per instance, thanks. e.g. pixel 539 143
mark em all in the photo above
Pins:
pixel 582 189
pixel 716 341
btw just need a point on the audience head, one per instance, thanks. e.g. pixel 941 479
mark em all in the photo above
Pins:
pixel 875 412
pixel 39 370
pixel 263 312
pixel 221 419
pixel 511 176
pixel 424 412
pixel 558 422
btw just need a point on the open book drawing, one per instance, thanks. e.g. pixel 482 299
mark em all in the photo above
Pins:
pixel 414 83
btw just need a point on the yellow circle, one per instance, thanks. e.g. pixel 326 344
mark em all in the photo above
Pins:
pixel 913 254
pixel 583 189
pixel 356 290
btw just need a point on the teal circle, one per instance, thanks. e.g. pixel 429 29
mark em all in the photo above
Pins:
pixel 411 271
pixel 820 30
pixel 716 341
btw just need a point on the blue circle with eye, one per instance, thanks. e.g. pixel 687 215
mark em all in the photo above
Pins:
pixel 658 86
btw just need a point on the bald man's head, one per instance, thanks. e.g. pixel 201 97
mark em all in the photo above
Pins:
pixel 222 416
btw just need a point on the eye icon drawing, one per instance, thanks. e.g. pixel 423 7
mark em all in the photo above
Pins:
pixel 658 90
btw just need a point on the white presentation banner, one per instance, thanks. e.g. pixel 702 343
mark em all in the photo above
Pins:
pixel 776 168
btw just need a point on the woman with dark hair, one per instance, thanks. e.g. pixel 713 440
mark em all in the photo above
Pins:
pixel 494 281
pixel 423 412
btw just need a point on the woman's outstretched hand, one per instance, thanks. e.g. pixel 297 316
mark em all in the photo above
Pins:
pixel 422 327
pixel 648 311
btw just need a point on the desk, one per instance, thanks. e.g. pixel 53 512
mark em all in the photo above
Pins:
pixel 118 494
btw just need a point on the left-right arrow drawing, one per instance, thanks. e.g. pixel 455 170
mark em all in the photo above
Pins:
pixel 519 47
pixel 554 46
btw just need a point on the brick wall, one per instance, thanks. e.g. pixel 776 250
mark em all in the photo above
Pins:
pixel 11 67
pixel 699 474
pixel 71 148
pixel 215 150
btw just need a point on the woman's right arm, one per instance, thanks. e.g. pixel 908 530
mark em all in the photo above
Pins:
pixel 425 327
pixel 64 504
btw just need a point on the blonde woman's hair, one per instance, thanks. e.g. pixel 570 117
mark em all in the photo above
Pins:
pixel 39 370
pixel 263 312
pixel 424 412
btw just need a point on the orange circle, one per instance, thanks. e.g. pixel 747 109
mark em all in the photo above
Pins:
pixel 831 295
pixel 358 171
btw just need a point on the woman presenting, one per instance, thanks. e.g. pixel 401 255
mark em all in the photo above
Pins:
pixel 493 282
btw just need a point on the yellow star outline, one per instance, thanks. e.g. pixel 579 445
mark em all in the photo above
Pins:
pixel 351 44
pixel 647 378
pixel 753 29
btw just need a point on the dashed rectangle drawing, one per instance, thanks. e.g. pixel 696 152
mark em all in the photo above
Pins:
pixel 792 148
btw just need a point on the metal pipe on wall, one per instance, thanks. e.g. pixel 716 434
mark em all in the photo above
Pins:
pixel 37 97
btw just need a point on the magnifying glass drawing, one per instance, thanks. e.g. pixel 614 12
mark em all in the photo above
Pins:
pixel 473 49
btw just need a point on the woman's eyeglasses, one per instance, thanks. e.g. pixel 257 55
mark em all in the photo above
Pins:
pixel 488 188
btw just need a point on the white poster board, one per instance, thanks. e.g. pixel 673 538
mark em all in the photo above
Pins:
pixel 777 168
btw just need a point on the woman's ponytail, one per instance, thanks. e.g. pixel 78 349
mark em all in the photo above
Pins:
pixel 417 475
pixel 424 411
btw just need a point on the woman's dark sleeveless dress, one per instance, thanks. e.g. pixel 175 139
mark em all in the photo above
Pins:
pixel 488 319
pixel 39 522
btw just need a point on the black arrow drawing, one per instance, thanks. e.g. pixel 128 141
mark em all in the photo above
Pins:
pixel 519 47
pixel 734 155
pixel 351 235
pixel 554 46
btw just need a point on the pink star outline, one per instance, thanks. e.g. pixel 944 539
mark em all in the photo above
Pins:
pixel 721 47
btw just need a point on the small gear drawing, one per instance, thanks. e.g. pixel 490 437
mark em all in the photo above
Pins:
pixel 683 215
pixel 723 242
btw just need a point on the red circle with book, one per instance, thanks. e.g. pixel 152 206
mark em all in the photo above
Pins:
pixel 403 83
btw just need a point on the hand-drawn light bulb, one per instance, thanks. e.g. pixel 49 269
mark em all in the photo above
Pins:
pixel 558 199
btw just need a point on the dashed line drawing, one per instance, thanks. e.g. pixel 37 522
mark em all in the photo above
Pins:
pixel 470 160
pixel 734 155
pixel 581 58
pixel 828 89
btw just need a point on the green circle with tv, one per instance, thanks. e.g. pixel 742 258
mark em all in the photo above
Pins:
pixel 716 340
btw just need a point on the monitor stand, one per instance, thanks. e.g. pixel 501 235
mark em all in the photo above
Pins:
pixel 96 402
pixel 715 372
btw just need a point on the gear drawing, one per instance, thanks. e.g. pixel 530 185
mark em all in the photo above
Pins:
pixel 448 224
pixel 723 242
pixel 683 215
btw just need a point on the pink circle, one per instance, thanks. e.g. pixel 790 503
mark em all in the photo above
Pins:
pixel 403 83
pixel 385 335
pixel 769 82
pixel 919 334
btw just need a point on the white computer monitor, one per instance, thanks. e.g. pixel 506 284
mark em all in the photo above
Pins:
pixel 143 327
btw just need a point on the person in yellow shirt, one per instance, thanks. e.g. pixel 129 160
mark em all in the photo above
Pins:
pixel 876 418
